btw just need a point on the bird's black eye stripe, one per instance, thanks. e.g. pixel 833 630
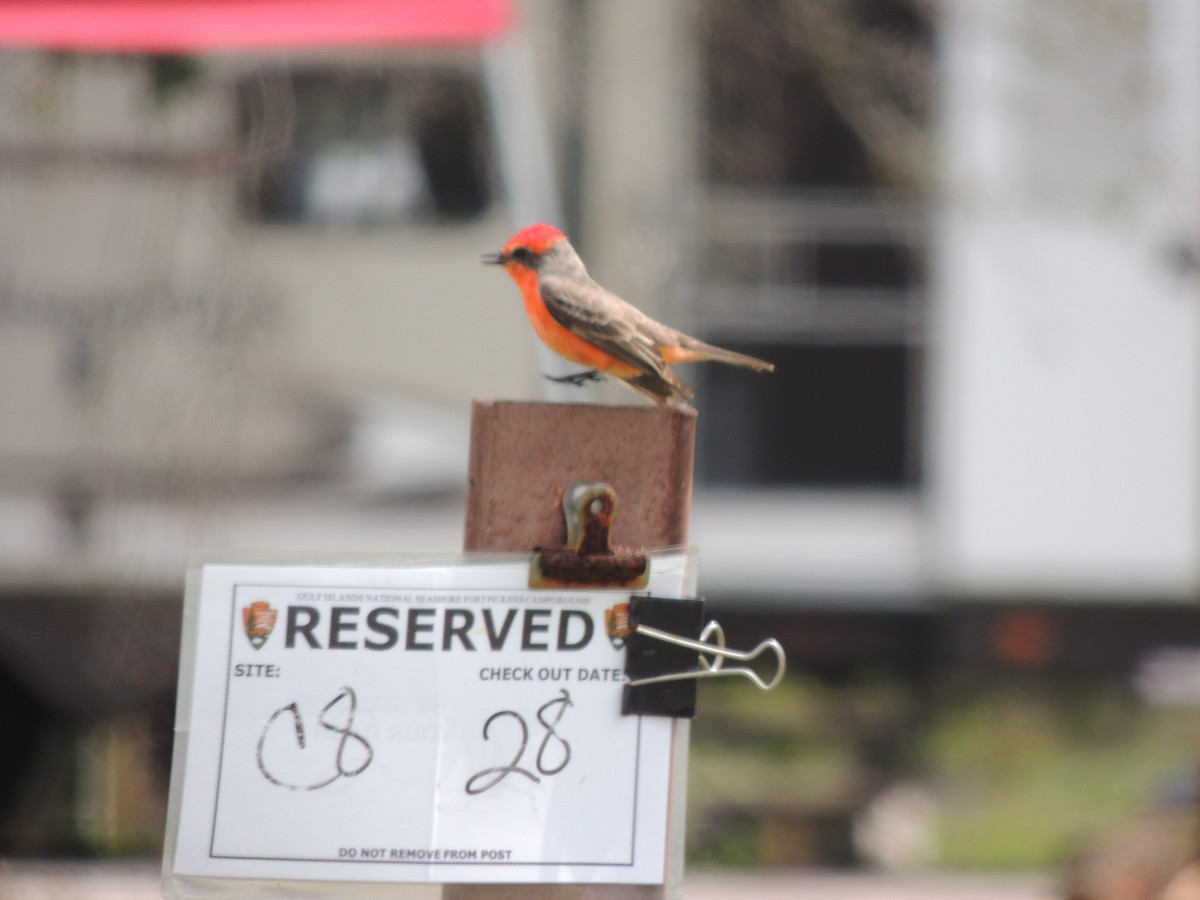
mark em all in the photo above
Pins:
pixel 523 254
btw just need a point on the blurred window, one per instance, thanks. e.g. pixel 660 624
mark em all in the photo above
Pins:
pixel 812 240
pixel 358 146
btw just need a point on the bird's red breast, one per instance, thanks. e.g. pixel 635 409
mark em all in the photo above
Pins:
pixel 561 340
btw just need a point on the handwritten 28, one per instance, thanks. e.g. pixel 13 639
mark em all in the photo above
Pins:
pixel 488 778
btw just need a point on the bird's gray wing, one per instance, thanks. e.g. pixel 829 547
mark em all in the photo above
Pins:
pixel 603 320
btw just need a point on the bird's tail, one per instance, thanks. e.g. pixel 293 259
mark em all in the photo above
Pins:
pixel 667 389
pixel 698 351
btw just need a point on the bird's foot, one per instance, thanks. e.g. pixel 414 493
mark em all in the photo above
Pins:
pixel 579 379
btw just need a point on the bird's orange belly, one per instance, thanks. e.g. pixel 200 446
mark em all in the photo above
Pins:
pixel 569 345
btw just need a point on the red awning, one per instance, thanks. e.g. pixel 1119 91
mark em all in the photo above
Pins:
pixel 182 26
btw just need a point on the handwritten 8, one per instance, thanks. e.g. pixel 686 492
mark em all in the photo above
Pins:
pixel 345 699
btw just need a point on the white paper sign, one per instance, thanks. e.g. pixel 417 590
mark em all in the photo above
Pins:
pixel 413 724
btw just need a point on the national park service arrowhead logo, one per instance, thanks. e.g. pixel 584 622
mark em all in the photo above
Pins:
pixel 616 623
pixel 259 621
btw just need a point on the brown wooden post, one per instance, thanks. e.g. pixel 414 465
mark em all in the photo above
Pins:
pixel 522 456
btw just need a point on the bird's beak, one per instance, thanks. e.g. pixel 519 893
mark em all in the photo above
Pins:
pixel 493 259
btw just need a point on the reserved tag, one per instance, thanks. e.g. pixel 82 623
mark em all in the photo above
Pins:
pixel 435 724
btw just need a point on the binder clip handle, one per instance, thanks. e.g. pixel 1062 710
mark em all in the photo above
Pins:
pixel 668 651
pixel 720 652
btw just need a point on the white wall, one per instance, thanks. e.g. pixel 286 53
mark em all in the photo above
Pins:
pixel 1065 344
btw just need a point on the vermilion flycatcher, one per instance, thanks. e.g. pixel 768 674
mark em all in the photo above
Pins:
pixel 581 321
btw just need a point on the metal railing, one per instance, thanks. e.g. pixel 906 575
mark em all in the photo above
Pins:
pixel 809 267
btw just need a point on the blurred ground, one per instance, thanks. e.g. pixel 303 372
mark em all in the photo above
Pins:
pixel 795 885
pixel 139 881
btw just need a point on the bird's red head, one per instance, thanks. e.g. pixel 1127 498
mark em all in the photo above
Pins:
pixel 524 250
pixel 537 238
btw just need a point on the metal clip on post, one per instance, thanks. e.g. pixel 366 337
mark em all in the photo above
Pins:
pixel 667 646
pixel 589 559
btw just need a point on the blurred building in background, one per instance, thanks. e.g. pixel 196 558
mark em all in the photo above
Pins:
pixel 241 309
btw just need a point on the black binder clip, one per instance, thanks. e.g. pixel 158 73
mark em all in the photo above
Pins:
pixel 667 651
